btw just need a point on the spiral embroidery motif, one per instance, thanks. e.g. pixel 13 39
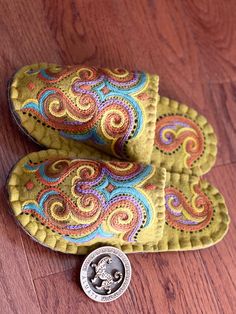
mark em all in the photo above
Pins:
pixel 182 214
pixel 104 199
pixel 97 106
pixel 174 131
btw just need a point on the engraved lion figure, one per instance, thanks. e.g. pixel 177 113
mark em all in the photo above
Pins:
pixel 107 279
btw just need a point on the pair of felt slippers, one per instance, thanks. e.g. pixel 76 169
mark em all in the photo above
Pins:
pixel 123 167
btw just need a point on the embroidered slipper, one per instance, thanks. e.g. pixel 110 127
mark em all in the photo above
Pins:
pixel 117 111
pixel 74 205
pixel 114 111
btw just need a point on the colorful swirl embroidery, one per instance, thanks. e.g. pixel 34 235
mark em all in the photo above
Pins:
pixel 182 214
pixel 84 199
pixel 174 131
pixel 99 105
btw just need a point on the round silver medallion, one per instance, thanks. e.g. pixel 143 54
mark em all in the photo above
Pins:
pixel 105 274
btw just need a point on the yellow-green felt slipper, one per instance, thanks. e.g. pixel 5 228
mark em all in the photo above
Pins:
pixel 117 111
pixel 73 205
pixel 62 107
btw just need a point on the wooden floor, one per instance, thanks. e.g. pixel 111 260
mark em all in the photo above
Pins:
pixel 192 46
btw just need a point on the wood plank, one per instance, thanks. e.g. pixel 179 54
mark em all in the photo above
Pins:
pixel 191 45
pixel 213 28
pixel 217 102
pixel 160 283
pixel 220 260
pixel 44 262
pixel 17 291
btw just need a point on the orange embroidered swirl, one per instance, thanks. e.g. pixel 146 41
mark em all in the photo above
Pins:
pixel 121 215
pixel 57 107
pixel 60 210
pixel 174 131
pixel 121 77
pixel 57 73
pixel 182 214
pixel 98 105
pixel 53 172
pixel 84 199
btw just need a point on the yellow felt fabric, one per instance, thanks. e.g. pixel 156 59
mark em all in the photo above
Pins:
pixel 198 202
pixel 184 142
pixel 173 136
pixel 112 110
pixel 64 206
pixel 210 226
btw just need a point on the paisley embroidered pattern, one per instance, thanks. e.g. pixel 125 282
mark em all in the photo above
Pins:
pixel 182 214
pixel 99 105
pixel 83 199
pixel 174 131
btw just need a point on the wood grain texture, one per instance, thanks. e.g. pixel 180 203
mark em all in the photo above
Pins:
pixel 192 46
pixel 17 291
